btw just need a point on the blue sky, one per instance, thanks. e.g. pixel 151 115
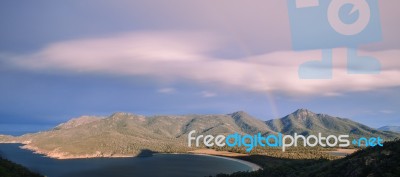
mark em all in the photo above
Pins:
pixel 60 60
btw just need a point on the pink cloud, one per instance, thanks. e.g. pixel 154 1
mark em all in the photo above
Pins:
pixel 176 56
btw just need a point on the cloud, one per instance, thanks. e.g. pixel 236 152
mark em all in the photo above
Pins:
pixel 166 90
pixel 182 56
pixel 387 111
pixel 208 94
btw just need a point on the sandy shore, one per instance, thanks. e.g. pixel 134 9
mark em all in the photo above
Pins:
pixel 347 151
pixel 253 166
pixel 343 152
pixel 226 155
pixel 219 153
pixel 203 152
pixel 57 154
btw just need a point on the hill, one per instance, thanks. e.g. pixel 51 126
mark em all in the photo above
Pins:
pixel 11 169
pixel 306 122
pixel 390 128
pixel 125 134
pixel 372 162
pixel 75 122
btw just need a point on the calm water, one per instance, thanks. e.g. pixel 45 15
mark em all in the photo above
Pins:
pixel 159 165
pixel 20 129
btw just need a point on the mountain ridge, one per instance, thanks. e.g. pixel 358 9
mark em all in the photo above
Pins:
pixel 390 128
pixel 305 122
pixel 127 134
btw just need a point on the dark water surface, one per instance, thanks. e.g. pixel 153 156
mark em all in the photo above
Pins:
pixel 159 165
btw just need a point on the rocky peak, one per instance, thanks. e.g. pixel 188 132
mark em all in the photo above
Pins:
pixel 303 114
pixel 77 122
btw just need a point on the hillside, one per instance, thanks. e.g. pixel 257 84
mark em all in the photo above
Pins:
pixel 125 134
pixel 11 169
pixel 390 128
pixel 372 162
pixel 306 122
pixel 75 122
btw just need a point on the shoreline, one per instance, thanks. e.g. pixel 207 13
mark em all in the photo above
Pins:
pixel 64 156
pixel 56 154
pixel 253 166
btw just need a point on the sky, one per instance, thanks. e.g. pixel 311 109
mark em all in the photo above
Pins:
pixel 60 60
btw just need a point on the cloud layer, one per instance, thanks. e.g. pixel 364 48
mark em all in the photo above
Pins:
pixel 176 56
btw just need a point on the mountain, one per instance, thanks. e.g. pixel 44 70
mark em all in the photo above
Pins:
pixel 390 128
pixel 125 134
pixel 75 122
pixel 306 122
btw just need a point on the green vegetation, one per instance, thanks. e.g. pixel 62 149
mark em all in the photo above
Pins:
pixel 299 152
pixel 372 162
pixel 306 122
pixel 10 169
pixel 124 134
pixel 390 128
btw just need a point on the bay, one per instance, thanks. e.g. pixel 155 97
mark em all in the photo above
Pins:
pixel 158 165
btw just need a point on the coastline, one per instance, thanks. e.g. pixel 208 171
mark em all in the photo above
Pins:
pixel 65 156
pixel 56 154
pixel 253 166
